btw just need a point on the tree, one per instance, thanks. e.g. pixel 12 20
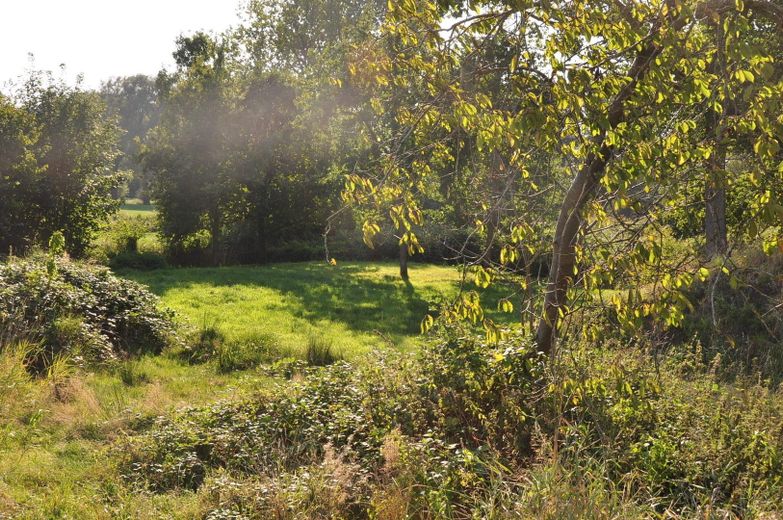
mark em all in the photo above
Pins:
pixel 616 91
pixel 239 165
pixel 58 171
pixel 302 36
pixel 185 152
pixel 134 101
pixel 19 178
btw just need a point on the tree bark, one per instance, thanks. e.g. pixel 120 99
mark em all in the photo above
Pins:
pixel 715 189
pixel 715 204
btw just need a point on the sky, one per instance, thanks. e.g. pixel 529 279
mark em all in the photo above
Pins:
pixel 101 39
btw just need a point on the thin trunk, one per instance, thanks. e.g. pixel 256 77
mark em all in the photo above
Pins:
pixel 216 236
pixel 259 251
pixel 404 262
pixel 715 205
pixel 715 191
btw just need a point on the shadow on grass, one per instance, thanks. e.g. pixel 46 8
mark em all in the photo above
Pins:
pixel 356 295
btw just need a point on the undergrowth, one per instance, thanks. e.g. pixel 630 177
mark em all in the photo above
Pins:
pixel 79 311
pixel 470 430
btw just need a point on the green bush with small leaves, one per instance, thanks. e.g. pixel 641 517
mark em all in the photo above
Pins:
pixel 78 310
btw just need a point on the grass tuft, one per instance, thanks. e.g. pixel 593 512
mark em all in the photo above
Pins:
pixel 320 351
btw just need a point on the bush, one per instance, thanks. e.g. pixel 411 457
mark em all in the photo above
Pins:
pixel 129 242
pixel 737 317
pixel 79 310
pixel 144 261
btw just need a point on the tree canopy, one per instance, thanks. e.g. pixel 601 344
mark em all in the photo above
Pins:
pixel 621 111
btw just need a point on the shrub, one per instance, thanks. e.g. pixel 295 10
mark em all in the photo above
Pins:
pixel 145 261
pixel 79 310
pixel 129 242
pixel 737 317
pixel 686 444
pixel 343 416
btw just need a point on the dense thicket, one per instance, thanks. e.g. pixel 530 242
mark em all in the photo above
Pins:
pixel 231 174
pixel 463 430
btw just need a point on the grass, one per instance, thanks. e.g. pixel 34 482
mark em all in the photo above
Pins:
pixel 60 435
pixel 57 433
pixel 354 306
pixel 55 460
pixel 134 207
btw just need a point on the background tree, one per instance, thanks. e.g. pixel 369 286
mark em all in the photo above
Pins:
pixel 134 101
pixel 59 168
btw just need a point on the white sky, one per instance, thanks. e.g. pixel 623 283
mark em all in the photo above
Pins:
pixel 101 38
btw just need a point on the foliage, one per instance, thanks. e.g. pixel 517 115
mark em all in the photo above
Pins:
pixel 129 241
pixel 352 410
pixel 444 433
pixel 134 101
pixel 571 106
pixel 735 316
pixel 78 311
pixel 686 443
pixel 58 168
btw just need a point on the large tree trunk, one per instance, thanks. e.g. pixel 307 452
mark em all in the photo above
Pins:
pixel 580 193
pixel 563 265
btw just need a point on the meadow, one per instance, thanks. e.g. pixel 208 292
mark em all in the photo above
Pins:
pixel 354 306
pixel 59 433
pixel 136 208
pixel 404 260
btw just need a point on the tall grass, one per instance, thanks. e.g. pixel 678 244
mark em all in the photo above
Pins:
pixel 320 351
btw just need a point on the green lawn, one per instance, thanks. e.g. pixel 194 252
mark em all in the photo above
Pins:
pixel 355 306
